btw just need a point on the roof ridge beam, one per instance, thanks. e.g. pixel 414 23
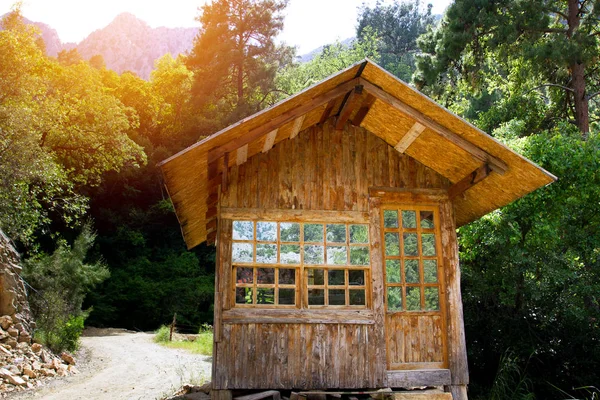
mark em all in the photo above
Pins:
pixel 495 164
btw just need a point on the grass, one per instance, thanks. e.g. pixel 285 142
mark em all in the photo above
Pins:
pixel 202 345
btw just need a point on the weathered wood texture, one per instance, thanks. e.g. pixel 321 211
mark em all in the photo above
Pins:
pixel 301 356
pixel 416 339
pixel 423 377
pixel 324 169
pixel 457 347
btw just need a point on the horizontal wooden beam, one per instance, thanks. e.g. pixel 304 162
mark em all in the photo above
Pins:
pixel 409 137
pixel 294 215
pixel 419 377
pixel 469 181
pixel 281 119
pixel 364 110
pixel 496 164
pixel 348 106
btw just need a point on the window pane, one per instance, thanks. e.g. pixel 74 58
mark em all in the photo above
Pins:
pixel 359 255
pixel 392 271
pixel 337 297
pixel 316 297
pixel 241 252
pixel 392 244
pixel 313 254
pixel 432 299
pixel 287 296
pixel 413 298
pixel 244 275
pixel 266 253
pixel 426 219
pixel 357 297
pixel 316 277
pixel 290 232
pixel 266 231
pixel 411 271
pixel 356 278
pixel 394 298
pixel 336 255
pixel 287 276
pixel 336 277
pixel 430 271
pixel 428 244
pixel 409 219
pixel 265 275
pixel 289 254
pixel 313 232
pixel 265 296
pixel 243 230
pixel 359 234
pixel 243 295
pixel 390 218
pixel 410 244
pixel 336 233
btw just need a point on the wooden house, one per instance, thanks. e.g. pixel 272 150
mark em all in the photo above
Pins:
pixel 334 214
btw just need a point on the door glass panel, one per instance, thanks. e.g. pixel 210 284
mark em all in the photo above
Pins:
pixel 426 219
pixel 411 271
pixel 357 297
pixel 394 298
pixel 266 231
pixel 410 244
pixel 337 297
pixel 244 275
pixel 432 299
pixel 359 255
pixel 392 244
pixel 243 295
pixel 241 252
pixel 356 278
pixel 313 254
pixel 265 275
pixel 390 218
pixel 428 244
pixel 413 298
pixel 290 254
pixel 430 271
pixel 265 296
pixel 287 276
pixel 409 219
pixel 316 277
pixel 243 230
pixel 316 297
pixel 392 271
pixel 287 296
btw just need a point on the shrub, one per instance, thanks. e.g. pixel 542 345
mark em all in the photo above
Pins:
pixel 64 334
pixel 162 334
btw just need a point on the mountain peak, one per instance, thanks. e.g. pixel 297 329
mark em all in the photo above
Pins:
pixel 126 18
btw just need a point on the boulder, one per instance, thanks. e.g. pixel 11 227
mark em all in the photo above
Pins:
pixel 36 348
pixel 6 322
pixel 29 373
pixel 66 357
pixel 13 332
pixel 11 378
pixel 12 343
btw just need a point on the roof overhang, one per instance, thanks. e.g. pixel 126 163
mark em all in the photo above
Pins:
pixel 485 173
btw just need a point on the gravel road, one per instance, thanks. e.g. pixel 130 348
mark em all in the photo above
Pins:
pixel 122 365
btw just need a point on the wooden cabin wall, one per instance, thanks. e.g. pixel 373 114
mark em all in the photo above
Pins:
pixel 320 169
pixel 324 169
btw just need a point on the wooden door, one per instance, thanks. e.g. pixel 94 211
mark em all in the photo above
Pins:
pixel 414 298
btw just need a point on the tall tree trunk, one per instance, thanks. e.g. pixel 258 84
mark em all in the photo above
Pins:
pixel 582 115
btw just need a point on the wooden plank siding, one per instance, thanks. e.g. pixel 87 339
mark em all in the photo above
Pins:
pixel 320 173
pixel 325 169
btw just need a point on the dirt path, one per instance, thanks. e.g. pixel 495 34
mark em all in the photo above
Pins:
pixel 117 365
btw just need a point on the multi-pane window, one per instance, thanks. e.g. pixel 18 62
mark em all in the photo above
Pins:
pixel 300 264
pixel 412 257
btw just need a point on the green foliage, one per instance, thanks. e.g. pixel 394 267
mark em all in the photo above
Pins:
pixel 531 270
pixel 334 58
pixel 64 335
pixel 235 58
pixel 398 25
pixel 162 334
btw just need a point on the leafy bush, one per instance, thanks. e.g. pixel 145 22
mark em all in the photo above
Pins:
pixel 64 335
pixel 161 335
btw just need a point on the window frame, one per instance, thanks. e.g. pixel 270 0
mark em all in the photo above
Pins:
pixel 301 270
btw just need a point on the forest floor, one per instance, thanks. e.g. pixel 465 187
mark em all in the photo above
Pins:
pixel 116 364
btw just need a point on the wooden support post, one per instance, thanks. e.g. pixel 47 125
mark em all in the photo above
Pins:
pixel 220 395
pixel 224 173
pixel 350 103
pixel 364 110
pixel 172 327
pixel 459 392
pixel 469 181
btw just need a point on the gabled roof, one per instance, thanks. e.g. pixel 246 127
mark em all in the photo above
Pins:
pixel 368 96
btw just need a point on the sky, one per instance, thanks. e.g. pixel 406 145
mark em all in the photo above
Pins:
pixel 308 23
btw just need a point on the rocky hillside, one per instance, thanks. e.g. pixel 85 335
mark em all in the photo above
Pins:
pixel 129 44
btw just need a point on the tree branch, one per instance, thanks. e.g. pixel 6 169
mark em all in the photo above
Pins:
pixel 552 85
